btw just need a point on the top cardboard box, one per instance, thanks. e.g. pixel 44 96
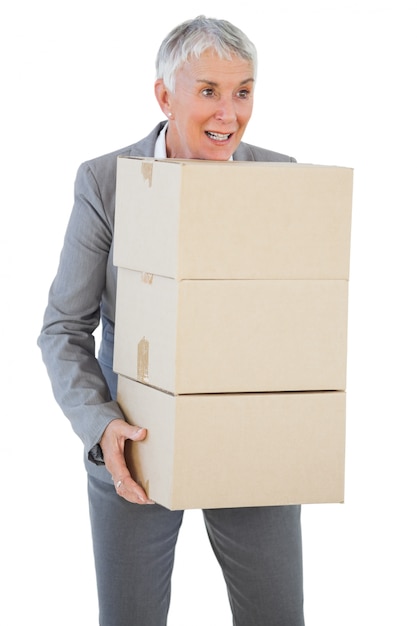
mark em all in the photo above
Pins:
pixel 233 220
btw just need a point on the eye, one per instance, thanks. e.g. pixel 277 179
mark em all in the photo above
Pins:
pixel 243 94
pixel 208 92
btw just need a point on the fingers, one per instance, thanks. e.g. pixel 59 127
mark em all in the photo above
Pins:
pixel 128 489
pixel 113 447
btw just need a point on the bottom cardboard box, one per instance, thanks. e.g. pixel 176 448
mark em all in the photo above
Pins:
pixel 236 450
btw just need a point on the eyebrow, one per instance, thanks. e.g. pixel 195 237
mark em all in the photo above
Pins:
pixel 212 83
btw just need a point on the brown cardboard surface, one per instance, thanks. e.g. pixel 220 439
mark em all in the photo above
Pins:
pixel 211 336
pixel 230 450
pixel 233 220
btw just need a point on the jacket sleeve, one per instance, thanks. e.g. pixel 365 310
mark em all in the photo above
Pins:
pixel 73 313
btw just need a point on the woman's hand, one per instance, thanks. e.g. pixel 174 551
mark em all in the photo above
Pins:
pixel 113 445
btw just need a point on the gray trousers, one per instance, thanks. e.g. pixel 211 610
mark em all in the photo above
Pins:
pixel 258 549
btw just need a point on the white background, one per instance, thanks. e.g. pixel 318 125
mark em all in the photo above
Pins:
pixel 336 86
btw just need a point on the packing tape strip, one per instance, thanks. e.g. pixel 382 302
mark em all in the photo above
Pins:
pixel 143 361
pixel 147 171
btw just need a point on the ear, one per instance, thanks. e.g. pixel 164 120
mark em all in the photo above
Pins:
pixel 164 98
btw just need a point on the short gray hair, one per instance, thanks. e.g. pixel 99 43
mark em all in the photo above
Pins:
pixel 193 37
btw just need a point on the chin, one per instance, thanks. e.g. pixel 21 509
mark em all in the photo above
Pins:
pixel 218 155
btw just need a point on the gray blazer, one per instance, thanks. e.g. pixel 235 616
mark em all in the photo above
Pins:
pixel 83 294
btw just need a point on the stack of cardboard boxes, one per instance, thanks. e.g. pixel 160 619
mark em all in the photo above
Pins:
pixel 231 329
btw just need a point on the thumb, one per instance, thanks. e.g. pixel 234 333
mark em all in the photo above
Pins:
pixel 137 433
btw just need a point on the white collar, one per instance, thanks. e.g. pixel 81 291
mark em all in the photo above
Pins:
pixel 160 145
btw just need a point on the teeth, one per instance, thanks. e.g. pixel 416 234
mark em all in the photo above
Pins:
pixel 218 136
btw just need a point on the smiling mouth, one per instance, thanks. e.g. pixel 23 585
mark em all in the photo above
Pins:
pixel 218 136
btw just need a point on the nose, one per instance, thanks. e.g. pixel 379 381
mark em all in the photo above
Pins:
pixel 226 110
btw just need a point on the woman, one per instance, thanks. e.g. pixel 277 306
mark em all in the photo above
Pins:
pixel 206 72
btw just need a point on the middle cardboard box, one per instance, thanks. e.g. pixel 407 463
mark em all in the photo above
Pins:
pixel 228 336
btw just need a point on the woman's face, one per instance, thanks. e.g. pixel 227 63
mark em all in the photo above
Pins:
pixel 210 109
